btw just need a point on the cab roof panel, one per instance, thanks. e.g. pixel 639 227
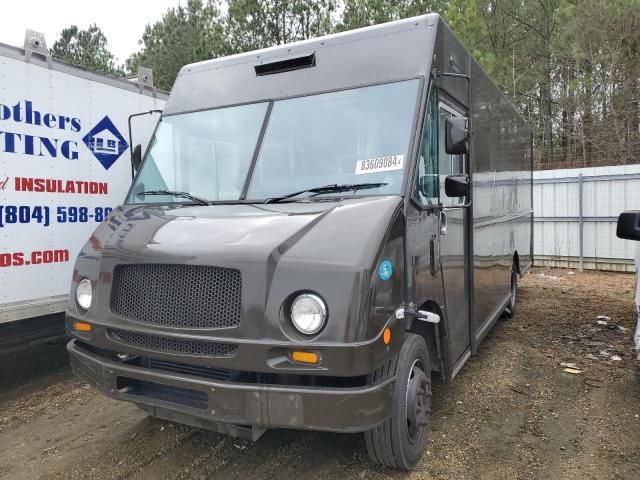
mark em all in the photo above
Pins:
pixel 383 53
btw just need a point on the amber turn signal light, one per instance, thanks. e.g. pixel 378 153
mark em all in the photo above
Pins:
pixel 82 327
pixel 305 357
pixel 386 336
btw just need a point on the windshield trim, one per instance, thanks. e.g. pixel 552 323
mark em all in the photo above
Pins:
pixel 415 140
pixel 270 102
pixel 261 201
pixel 256 151
pixel 430 89
pixel 302 95
pixel 134 174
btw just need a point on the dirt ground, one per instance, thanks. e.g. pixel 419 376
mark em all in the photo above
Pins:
pixel 512 413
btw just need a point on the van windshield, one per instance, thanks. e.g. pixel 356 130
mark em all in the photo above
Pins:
pixel 352 136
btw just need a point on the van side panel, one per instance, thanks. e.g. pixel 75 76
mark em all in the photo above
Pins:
pixel 502 186
pixel 501 167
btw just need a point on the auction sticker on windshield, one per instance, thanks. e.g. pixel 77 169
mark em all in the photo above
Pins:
pixel 380 164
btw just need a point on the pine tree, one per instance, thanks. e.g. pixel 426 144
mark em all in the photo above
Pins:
pixel 86 48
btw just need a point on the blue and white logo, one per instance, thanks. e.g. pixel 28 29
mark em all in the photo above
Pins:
pixel 385 270
pixel 106 142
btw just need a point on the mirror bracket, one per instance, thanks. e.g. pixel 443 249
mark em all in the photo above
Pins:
pixel 136 159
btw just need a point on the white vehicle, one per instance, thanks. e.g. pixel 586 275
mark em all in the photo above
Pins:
pixel 636 338
pixel 65 162
pixel 629 229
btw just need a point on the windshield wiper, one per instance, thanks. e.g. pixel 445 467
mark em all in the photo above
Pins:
pixel 327 189
pixel 175 193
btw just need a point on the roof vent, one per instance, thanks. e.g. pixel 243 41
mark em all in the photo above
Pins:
pixel 286 65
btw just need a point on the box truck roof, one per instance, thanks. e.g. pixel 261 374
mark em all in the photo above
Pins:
pixel 145 88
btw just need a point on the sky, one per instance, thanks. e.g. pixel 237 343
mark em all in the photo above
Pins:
pixel 122 21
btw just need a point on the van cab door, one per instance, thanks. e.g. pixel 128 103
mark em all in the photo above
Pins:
pixel 423 217
pixel 454 253
pixel 437 232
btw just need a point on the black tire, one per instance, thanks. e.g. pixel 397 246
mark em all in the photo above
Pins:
pixel 512 306
pixel 400 440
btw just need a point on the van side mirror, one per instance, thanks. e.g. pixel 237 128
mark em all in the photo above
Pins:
pixel 456 138
pixel 428 185
pixel 456 186
pixel 629 225
pixel 136 157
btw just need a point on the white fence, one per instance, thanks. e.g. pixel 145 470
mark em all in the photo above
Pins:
pixel 575 213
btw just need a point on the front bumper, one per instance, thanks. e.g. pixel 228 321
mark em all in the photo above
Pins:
pixel 213 404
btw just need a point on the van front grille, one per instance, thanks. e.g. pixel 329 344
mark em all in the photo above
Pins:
pixel 172 345
pixel 183 296
pixel 220 374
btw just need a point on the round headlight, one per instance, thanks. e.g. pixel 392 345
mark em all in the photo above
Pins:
pixel 308 313
pixel 84 293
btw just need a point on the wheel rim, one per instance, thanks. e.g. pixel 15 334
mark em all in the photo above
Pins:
pixel 418 405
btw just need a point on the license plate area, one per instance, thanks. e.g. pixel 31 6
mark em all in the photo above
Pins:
pixel 165 393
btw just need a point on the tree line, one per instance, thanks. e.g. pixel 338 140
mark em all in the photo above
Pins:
pixel 571 67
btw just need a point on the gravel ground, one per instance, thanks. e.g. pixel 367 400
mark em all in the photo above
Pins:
pixel 512 413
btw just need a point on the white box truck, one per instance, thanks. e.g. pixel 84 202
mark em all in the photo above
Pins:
pixel 64 164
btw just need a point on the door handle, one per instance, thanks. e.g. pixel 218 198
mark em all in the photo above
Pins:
pixel 432 256
pixel 443 223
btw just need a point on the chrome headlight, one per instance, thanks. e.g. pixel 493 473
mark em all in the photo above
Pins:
pixel 308 313
pixel 84 293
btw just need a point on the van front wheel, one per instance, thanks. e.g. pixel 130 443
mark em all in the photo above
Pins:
pixel 400 440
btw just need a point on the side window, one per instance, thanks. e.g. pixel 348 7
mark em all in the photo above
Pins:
pixel 427 178
pixel 448 164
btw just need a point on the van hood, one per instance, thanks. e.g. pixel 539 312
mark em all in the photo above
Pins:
pixel 340 233
pixel 331 248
